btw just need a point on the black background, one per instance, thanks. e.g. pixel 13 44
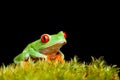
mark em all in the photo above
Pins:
pixel 91 30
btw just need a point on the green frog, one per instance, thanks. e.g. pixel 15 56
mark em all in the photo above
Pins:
pixel 47 48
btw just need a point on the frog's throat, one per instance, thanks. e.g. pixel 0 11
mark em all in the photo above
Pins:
pixel 52 50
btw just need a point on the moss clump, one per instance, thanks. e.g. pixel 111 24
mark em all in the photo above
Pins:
pixel 97 69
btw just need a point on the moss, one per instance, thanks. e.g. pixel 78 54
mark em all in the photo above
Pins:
pixel 97 69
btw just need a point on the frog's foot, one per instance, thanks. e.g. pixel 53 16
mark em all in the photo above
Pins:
pixel 56 58
pixel 59 58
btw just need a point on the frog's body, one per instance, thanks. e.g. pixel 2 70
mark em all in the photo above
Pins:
pixel 47 47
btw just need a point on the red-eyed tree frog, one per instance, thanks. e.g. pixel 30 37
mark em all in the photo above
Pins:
pixel 47 47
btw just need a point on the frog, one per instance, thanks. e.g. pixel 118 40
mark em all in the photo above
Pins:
pixel 47 47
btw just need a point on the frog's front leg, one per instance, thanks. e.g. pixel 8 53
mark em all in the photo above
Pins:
pixel 60 57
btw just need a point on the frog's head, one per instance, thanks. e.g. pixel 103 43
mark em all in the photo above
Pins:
pixel 52 43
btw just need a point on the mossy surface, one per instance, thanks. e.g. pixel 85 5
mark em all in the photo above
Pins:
pixel 97 69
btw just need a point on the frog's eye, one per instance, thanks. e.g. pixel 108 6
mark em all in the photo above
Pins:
pixel 45 38
pixel 65 35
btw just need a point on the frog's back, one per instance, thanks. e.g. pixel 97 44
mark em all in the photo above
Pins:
pixel 31 45
pixel 25 52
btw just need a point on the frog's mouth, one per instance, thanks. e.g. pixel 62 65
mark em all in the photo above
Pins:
pixel 52 50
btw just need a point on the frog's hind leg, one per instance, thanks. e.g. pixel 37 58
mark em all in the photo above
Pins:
pixel 20 58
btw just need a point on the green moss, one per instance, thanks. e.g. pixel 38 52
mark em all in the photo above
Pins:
pixel 97 69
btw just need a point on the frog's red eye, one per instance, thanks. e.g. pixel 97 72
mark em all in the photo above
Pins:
pixel 65 35
pixel 45 38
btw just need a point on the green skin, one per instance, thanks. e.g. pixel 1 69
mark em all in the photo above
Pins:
pixel 39 49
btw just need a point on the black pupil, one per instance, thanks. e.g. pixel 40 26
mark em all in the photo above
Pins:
pixel 44 37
